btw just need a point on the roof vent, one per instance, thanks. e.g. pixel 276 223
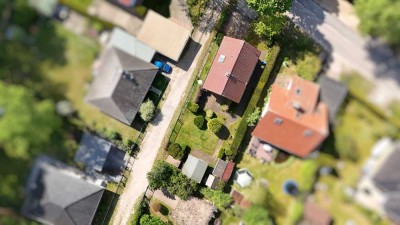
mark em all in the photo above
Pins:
pixel 308 133
pixel 298 91
pixel 278 121
pixel 297 106
pixel 221 58
pixel 227 74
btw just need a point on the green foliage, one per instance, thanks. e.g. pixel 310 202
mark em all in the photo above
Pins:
pixel 257 215
pixel 309 66
pixel 146 110
pixel 23 15
pixel 14 220
pixel 199 121
pixel 150 220
pixel 175 150
pixel 209 113
pixel 308 172
pixel 141 209
pixel 296 210
pixel 270 7
pixel 113 135
pixel 269 26
pixel 193 107
pixel 253 117
pixel 225 14
pixel 346 147
pixel 140 10
pixel 221 153
pixel 218 38
pixel 380 18
pixel 27 125
pixel 164 175
pixel 219 198
pixel 214 125
pixel 228 152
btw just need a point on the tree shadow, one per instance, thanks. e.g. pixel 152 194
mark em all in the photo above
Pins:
pixel 331 6
pixel 224 133
pixel 307 15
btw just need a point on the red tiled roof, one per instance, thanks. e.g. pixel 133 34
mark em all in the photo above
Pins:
pixel 301 130
pixel 228 171
pixel 230 77
pixel 315 215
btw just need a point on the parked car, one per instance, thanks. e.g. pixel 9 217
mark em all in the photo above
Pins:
pixel 163 66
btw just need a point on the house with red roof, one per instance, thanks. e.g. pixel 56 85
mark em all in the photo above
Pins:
pixel 294 120
pixel 232 68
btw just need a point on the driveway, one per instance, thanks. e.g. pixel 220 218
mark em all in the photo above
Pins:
pixel 373 60
pixel 156 131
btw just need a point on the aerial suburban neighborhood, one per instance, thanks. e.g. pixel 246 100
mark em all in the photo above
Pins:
pixel 199 112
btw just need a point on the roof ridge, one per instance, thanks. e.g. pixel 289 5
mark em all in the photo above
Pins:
pixel 74 203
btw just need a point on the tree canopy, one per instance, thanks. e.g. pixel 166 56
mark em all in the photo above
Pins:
pixel 27 124
pixel 380 18
pixel 257 215
pixel 165 176
pixel 150 220
pixel 270 7
pixel 147 110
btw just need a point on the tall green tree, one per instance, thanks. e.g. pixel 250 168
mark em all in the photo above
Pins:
pixel 257 215
pixel 380 18
pixel 26 124
pixel 270 7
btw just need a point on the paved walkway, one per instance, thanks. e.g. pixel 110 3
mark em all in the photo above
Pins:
pixel 138 183
pixel 373 60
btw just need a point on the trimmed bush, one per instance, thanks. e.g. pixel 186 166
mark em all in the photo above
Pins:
pixel 221 153
pixel 146 110
pixel 193 107
pixel 228 152
pixel 175 150
pixel 198 121
pixel 150 220
pixel 214 125
pixel 253 117
pixel 113 135
pixel 209 113
pixel 220 199
pixel 224 108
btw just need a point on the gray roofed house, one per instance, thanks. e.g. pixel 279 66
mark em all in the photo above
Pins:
pixel 333 93
pixel 100 155
pixel 219 168
pixel 379 187
pixel 194 168
pixel 121 84
pixel 128 43
pixel 61 195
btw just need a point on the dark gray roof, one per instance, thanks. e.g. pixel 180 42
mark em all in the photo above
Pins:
pixel 194 168
pixel 59 194
pixel 99 154
pixel 121 84
pixel 392 207
pixel 219 168
pixel 333 93
pixel 387 178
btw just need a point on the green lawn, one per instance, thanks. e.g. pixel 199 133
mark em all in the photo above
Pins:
pixel 190 135
pixel 80 5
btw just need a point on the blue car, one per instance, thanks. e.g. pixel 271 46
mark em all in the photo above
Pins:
pixel 163 66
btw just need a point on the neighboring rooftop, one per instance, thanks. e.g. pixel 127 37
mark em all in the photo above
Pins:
pixel 228 171
pixel 100 155
pixel 314 215
pixel 387 177
pixel 294 113
pixel 243 178
pixel 232 68
pixel 165 36
pixel 333 93
pixel 126 42
pixel 219 168
pixel 61 195
pixel 121 84
pixel 212 181
pixel 195 168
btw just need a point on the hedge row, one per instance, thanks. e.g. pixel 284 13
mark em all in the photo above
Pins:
pixel 242 127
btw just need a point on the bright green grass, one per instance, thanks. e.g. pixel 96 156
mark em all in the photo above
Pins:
pixel 190 135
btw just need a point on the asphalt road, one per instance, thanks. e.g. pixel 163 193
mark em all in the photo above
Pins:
pixel 370 58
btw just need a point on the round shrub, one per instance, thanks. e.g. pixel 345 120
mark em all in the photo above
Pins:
pixel 193 107
pixel 224 108
pixel 175 150
pixel 228 152
pixel 146 110
pixel 199 121
pixel 209 113
pixel 214 125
